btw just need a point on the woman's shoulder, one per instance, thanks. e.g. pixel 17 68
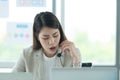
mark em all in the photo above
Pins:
pixel 28 51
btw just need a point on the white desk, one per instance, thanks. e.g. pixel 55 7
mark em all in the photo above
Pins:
pixel 5 70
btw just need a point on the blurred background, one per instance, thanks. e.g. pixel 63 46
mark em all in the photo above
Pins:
pixel 90 24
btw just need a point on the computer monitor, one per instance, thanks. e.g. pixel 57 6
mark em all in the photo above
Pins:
pixel 16 76
pixel 93 73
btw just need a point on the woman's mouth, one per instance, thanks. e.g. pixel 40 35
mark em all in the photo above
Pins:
pixel 53 48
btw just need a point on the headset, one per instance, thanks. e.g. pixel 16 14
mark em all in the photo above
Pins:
pixel 59 54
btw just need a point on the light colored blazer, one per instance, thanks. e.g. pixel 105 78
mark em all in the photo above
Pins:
pixel 31 61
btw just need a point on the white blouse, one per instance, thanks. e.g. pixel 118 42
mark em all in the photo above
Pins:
pixel 49 63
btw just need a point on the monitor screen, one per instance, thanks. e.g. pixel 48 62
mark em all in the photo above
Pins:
pixel 16 76
pixel 93 73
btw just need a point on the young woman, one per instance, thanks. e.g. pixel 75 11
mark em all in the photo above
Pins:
pixel 50 49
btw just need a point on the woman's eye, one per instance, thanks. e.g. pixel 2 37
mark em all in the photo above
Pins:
pixel 55 35
pixel 45 38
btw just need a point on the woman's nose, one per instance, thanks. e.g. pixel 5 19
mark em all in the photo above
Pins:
pixel 51 41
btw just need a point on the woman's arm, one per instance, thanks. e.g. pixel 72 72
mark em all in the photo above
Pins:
pixel 78 63
pixel 20 64
pixel 69 47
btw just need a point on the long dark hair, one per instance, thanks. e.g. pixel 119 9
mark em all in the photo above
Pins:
pixel 45 19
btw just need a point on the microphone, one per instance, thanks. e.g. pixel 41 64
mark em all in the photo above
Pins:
pixel 59 53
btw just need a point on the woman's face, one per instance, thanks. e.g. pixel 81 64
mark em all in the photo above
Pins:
pixel 49 39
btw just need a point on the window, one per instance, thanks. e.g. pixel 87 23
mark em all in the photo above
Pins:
pixel 16 19
pixel 91 24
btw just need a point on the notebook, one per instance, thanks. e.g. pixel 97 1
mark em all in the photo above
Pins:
pixel 16 76
pixel 93 73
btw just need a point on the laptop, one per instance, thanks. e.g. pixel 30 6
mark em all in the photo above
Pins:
pixel 16 76
pixel 93 73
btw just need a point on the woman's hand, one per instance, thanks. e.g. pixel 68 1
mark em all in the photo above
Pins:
pixel 68 46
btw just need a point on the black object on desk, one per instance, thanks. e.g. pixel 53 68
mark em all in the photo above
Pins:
pixel 87 64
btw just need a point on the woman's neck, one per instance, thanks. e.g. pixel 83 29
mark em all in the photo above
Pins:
pixel 48 54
